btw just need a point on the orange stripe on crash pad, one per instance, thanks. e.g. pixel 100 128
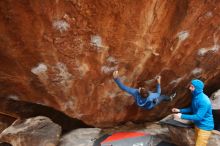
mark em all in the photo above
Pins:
pixel 123 135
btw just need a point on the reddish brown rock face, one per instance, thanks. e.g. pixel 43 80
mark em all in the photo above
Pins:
pixel 61 53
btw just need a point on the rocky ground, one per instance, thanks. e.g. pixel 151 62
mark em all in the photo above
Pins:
pixel 41 131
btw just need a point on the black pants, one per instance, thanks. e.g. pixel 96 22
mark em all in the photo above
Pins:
pixel 216 115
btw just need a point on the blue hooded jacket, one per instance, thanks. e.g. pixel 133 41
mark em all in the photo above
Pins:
pixel 201 108
pixel 146 103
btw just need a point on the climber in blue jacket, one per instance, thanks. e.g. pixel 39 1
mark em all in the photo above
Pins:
pixel 200 112
pixel 144 98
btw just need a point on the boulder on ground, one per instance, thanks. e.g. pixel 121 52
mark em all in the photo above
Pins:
pixel 185 136
pixel 36 131
pixel 80 137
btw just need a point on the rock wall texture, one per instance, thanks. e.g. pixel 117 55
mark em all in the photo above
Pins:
pixel 61 53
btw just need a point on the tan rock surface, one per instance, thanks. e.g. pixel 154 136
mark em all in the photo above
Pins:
pixel 36 131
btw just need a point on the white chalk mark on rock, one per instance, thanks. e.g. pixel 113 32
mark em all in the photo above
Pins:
pixel 107 69
pixel 96 40
pixel 40 68
pixel 110 66
pixel 202 51
pixel 14 97
pixel 111 59
pixel 213 49
pixel 183 35
pixel 63 76
pixel 61 25
pixel 197 71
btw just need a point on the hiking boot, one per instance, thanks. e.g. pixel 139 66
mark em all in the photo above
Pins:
pixel 172 96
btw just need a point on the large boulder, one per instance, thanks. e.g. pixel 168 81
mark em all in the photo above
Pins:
pixel 182 136
pixel 62 53
pixel 36 131
pixel 80 137
pixel 182 133
pixel 185 136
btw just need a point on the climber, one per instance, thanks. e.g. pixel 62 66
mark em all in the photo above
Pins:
pixel 200 113
pixel 144 98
